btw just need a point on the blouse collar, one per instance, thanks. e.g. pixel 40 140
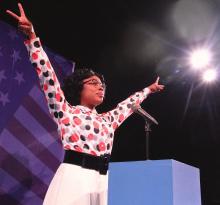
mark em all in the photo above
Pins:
pixel 86 109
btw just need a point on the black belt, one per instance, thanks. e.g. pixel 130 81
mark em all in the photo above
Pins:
pixel 99 163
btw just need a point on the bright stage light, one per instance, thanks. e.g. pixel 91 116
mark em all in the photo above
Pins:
pixel 200 58
pixel 209 75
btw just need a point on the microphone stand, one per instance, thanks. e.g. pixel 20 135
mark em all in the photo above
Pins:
pixel 147 133
pixel 148 121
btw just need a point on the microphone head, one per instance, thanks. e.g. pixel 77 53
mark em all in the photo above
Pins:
pixel 135 107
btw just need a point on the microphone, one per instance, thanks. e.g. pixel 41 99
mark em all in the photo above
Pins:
pixel 137 109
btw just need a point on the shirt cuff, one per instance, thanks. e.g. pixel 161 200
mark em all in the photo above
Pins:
pixel 146 91
pixel 29 43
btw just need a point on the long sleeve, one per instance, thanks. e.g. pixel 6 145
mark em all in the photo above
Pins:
pixel 123 109
pixel 48 80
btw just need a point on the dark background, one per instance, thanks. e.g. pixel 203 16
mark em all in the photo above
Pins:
pixel 131 43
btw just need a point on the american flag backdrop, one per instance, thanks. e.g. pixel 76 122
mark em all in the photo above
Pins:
pixel 30 149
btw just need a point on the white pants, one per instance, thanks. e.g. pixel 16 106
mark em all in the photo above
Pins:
pixel 74 185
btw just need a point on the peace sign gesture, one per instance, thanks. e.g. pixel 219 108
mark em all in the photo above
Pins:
pixel 155 87
pixel 23 23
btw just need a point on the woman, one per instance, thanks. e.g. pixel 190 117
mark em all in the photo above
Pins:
pixel 87 136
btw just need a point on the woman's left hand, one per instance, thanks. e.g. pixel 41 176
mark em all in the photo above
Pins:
pixel 24 24
pixel 156 87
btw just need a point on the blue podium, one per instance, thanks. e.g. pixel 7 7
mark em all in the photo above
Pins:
pixel 153 182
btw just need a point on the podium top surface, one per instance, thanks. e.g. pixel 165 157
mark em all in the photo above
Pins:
pixel 153 163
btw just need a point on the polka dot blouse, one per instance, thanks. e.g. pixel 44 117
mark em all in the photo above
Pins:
pixel 80 128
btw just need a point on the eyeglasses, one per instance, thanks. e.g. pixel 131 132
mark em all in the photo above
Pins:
pixel 95 83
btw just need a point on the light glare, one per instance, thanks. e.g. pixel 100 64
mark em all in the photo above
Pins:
pixel 209 75
pixel 200 58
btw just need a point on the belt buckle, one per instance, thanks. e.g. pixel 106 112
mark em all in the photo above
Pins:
pixel 104 164
pixel 84 162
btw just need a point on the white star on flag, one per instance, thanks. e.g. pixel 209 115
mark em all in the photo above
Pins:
pixel 16 56
pixel 4 98
pixel 19 77
pixel 2 75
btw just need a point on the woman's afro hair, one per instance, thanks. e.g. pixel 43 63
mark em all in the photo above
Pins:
pixel 73 84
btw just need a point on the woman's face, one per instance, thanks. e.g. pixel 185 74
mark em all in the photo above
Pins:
pixel 93 92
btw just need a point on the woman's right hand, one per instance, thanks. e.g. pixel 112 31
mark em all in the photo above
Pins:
pixel 24 24
pixel 155 87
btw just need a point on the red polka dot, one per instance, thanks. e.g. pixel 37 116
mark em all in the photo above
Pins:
pixel 93 153
pixel 34 56
pixel 121 117
pixel 67 147
pixel 96 125
pixel 48 64
pixel 38 71
pixel 90 136
pixel 74 138
pixel 62 132
pixel 58 97
pixel 66 121
pixel 54 77
pixel 64 107
pixel 115 125
pixel 45 87
pixel 102 146
pixel 78 149
pixel 77 121
pixel 76 111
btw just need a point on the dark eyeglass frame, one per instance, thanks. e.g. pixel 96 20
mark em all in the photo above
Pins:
pixel 95 83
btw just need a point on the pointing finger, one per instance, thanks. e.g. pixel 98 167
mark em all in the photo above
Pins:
pixel 157 81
